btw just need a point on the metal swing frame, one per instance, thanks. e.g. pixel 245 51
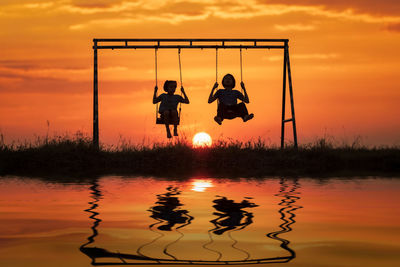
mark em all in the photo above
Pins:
pixel 110 43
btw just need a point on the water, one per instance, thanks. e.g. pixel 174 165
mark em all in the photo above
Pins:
pixel 115 220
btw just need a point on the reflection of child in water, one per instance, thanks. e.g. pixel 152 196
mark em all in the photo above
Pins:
pixel 228 108
pixel 169 105
pixel 231 215
pixel 168 212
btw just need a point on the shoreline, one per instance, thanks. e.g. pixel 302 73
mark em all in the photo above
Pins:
pixel 78 159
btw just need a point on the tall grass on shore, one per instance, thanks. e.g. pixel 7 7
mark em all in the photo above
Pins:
pixel 75 156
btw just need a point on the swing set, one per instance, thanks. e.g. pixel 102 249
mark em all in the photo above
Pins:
pixel 179 44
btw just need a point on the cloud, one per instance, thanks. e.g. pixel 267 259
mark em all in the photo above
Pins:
pixel 53 73
pixel 69 63
pixel 55 68
pixel 164 17
pixel 113 14
pixel 42 77
pixel 375 7
pixel 95 4
pixel 175 12
pixel 295 27
pixel 393 27
pixel 85 7
pixel 28 72
pixel 17 64
pixel 39 5
pixel 61 86
pixel 315 56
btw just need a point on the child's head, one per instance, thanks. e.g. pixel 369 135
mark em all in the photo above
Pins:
pixel 170 86
pixel 228 81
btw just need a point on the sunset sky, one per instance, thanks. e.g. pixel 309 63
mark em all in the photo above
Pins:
pixel 344 59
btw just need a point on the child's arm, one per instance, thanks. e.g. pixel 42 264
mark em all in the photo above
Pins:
pixel 155 98
pixel 185 99
pixel 246 97
pixel 212 96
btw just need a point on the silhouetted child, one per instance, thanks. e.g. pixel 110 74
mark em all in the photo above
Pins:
pixel 228 108
pixel 168 211
pixel 231 215
pixel 169 104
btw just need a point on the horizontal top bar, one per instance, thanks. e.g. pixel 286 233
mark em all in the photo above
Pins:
pixel 190 43
pixel 187 40
pixel 189 46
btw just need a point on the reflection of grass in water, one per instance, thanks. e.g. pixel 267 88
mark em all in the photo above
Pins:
pixel 75 156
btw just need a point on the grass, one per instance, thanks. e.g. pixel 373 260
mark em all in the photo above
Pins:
pixel 74 156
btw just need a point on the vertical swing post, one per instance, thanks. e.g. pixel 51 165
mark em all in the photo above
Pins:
pixel 291 99
pixel 95 99
pixel 284 96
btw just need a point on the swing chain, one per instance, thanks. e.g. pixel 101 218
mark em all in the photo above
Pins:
pixel 216 65
pixel 241 71
pixel 180 74
pixel 155 59
pixel 241 68
pixel 155 64
pixel 180 65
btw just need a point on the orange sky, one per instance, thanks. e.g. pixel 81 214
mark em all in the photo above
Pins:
pixel 344 60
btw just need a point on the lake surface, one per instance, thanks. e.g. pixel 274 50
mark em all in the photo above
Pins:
pixel 134 220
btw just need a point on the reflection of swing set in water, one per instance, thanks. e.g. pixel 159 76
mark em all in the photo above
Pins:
pixel 197 44
pixel 167 211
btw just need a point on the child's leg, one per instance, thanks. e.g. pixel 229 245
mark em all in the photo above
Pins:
pixel 167 119
pixel 218 120
pixel 174 116
pixel 168 131
pixel 242 112
pixel 174 119
pixel 230 112
pixel 220 114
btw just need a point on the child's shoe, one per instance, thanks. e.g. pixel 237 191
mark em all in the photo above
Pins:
pixel 248 117
pixel 218 120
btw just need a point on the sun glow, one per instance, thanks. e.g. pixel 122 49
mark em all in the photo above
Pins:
pixel 201 185
pixel 202 139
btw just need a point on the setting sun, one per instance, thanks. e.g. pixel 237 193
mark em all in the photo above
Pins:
pixel 202 139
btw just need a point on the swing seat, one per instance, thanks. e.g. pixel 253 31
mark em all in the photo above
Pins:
pixel 229 115
pixel 160 119
pixel 226 112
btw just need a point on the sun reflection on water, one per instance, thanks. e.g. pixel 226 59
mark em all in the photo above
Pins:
pixel 199 185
